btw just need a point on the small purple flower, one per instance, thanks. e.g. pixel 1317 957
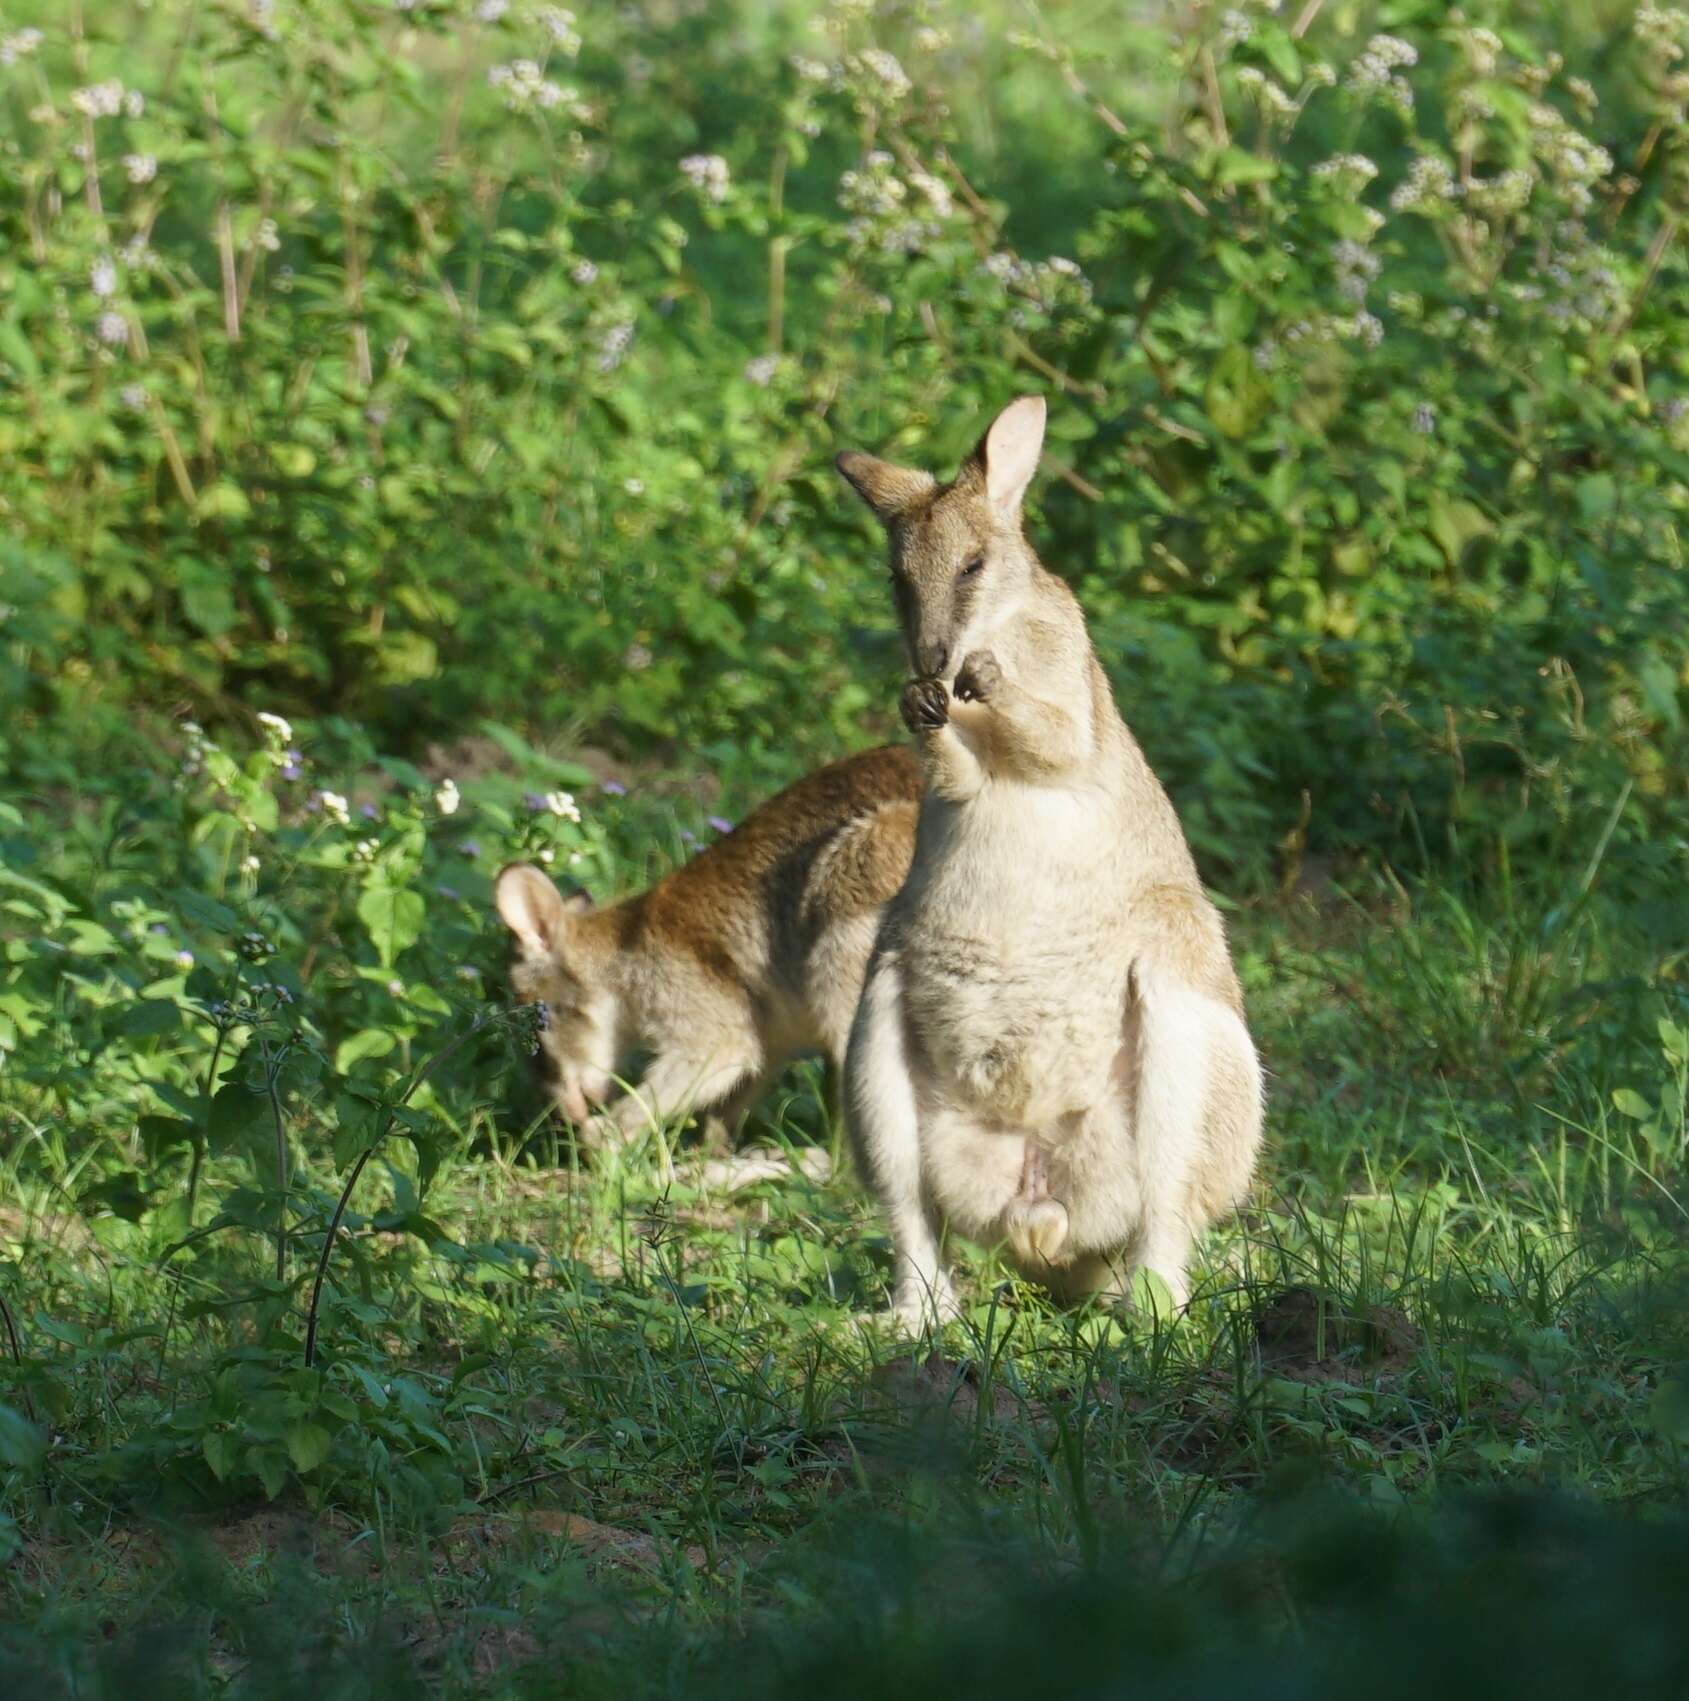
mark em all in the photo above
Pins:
pixel 688 839
pixel 470 848
pixel 720 825
pixel 533 800
pixel 294 766
pixel 613 788
pixel 450 893
pixel 369 812
pixel 159 928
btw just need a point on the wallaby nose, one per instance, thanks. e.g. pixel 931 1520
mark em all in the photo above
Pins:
pixel 932 659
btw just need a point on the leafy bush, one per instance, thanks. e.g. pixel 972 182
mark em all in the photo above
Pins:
pixel 351 349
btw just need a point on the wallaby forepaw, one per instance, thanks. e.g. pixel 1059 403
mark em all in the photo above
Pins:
pixel 979 678
pixel 926 705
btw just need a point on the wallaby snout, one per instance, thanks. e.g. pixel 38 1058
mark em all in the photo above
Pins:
pixel 931 660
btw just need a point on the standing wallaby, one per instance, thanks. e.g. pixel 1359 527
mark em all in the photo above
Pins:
pixel 750 954
pixel 1050 1048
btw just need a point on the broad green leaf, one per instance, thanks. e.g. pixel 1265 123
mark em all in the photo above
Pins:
pixel 308 1445
pixel 393 915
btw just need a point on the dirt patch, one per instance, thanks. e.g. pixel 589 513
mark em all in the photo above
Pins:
pixel 1309 1336
pixel 940 1386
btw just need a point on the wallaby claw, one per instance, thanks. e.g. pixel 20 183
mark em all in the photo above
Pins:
pixel 979 677
pixel 925 705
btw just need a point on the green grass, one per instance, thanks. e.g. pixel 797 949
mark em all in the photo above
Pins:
pixel 632 1401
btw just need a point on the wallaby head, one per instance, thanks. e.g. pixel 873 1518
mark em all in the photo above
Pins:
pixel 554 962
pixel 960 565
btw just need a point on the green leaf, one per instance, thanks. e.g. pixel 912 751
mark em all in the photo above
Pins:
pixel 269 1465
pixel 206 912
pixel 23 1445
pixel 393 915
pixel 223 500
pixel 219 1448
pixel 1236 165
pixel 367 1042
pixel 1628 1102
pixel 1235 397
pixel 148 1016
pixel 1598 495
pixel 235 1112
pixel 308 1445
pixel 160 1134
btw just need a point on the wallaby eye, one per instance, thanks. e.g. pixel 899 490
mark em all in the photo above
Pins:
pixel 974 564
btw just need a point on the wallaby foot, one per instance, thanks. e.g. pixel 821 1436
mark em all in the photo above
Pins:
pixel 917 1306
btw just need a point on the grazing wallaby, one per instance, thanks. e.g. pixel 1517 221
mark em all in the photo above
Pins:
pixel 1050 1048
pixel 750 954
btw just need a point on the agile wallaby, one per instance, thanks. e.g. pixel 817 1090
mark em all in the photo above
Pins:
pixel 1050 1048
pixel 750 954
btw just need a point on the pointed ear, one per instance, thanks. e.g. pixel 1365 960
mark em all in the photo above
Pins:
pixel 533 909
pixel 888 490
pixel 1008 453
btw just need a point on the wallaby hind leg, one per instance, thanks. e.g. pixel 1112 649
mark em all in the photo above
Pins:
pixel 885 1123
pixel 1175 1033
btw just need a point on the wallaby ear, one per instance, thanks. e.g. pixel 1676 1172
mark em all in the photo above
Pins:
pixel 1008 453
pixel 888 490
pixel 533 909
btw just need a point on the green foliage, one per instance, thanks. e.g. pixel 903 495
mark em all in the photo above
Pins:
pixel 353 348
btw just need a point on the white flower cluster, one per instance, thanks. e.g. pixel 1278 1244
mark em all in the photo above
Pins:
pixel 1663 30
pixel 883 217
pixel 1375 73
pixel 18 45
pixel 1576 282
pixel 1272 100
pixel 1482 48
pixel 102 278
pixel 1235 28
pixel 524 85
pixel 1428 185
pixel 559 24
pixel 1356 268
pixel 1503 195
pixel 112 329
pixel 1571 158
pixel 140 168
pixel 447 797
pixel 199 747
pixel 334 806
pixel 884 73
pixel 1347 173
pixel 708 174
pixel 490 11
pixel 813 70
pixel 875 191
pixel 98 100
pixel 1048 283
pixel 761 369
pixel 614 345
pixel 584 272
pixel 562 804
